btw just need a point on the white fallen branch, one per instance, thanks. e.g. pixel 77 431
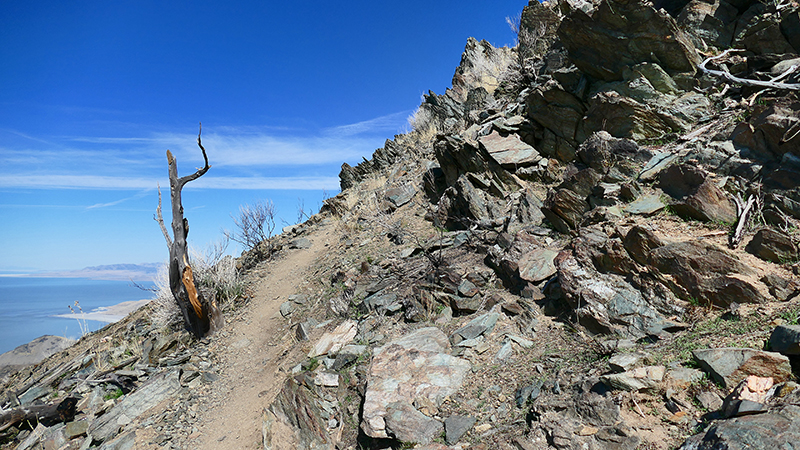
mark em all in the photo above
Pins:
pixel 743 211
pixel 745 81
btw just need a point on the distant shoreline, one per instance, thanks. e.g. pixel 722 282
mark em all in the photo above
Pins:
pixel 108 314
pixel 115 272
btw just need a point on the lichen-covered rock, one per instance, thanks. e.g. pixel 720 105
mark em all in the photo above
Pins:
pixel 415 365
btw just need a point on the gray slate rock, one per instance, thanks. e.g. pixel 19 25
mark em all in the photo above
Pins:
pixel 399 196
pixel 785 339
pixel 647 206
pixel 406 424
pixel 537 265
pixel 730 366
pixel 457 426
pixel 622 362
pixel 300 243
pixel 779 429
pixel 509 151
pixel 476 327
pixel 150 394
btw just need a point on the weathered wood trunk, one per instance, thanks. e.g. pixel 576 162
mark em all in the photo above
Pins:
pixel 194 307
pixel 47 415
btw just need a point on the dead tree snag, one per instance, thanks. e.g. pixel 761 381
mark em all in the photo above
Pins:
pixel 194 307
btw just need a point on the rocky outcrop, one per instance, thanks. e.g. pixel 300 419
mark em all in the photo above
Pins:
pixel 707 273
pixel 620 33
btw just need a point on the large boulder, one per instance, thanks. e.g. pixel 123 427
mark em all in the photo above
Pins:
pixel 416 365
pixel 778 429
pixel 772 245
pixel 704 272
pixel 623 33
pixel 607 303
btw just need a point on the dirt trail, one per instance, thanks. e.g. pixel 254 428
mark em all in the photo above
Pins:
pixel 256 350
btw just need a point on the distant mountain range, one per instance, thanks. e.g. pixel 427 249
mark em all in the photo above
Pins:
pixel 137 272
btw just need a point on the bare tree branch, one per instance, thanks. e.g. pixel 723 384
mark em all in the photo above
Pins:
pixel 200 171
pixel 160 219
pixel 744 81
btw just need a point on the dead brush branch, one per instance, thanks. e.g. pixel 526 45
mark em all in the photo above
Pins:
pixel 255 224
pixel 724 74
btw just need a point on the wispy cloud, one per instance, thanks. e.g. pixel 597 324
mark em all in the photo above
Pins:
pixel 390 123
pixel 242 158
pixel 127 183
pixel 122 200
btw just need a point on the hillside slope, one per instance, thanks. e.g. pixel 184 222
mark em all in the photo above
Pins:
pixel 589 241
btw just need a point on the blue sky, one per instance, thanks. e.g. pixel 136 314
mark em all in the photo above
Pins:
pixel 94 93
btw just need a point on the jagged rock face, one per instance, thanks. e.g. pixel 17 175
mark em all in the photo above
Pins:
pixel 559 111
pixel 622 33
pixel 538 26
pixel 709 23
pixel 606 303
pixel 773 130
pixel 760 32
pixel 481 67
pixel 383 158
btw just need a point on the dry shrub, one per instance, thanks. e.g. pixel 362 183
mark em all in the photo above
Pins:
pixel 216 277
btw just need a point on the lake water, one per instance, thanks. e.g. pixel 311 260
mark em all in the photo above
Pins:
pixel 28 304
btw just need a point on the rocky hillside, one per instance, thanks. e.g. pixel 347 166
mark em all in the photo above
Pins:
pixel 589 241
